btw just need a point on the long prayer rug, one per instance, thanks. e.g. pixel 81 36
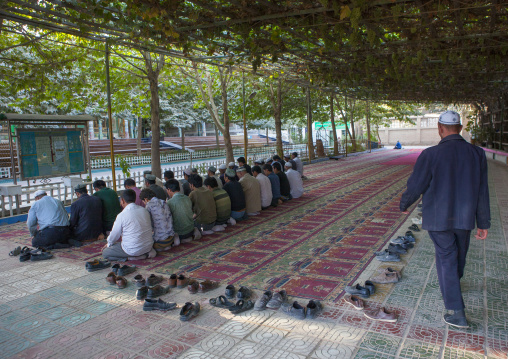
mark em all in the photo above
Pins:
pixel 312 246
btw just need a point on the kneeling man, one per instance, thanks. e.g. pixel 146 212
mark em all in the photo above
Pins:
pixel 133 225
pixel 86 216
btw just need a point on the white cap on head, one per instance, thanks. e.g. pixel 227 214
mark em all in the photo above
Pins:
pixel 231 164
pixel 449 118
pixel 187 171
pixel 40 193
pixel 223 166
pixel 288 164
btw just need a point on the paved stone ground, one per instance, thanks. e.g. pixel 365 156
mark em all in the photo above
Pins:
pixel 55 309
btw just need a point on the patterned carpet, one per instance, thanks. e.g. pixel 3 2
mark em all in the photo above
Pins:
pixel 312 246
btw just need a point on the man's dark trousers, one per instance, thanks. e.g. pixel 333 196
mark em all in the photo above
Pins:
pixel 52 238
pixel 451 250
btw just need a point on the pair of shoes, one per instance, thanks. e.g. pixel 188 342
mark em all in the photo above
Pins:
pixel 386 276
pixel 243 292
pixel 123 270
pixel 241 306
pixel 113 279
pixel 189 311
pixel 202 287
pixel 364 292
pixel 403 241
pixel 96 265
pixel 389 257
pixel 414 227
pixel 311 311
pixel 151 292
pixel 151 281
pixel 381 315
pixel 221 302
pixel 277 300
pixel 158 304
pixel 355 301
pixel 410 237
pixel 179 281
pixel 38 255
pixel 392 249
pixel 263 300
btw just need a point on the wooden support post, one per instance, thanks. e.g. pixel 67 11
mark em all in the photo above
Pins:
pixel 110 118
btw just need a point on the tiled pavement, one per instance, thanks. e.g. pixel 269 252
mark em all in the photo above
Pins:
pixel 55 309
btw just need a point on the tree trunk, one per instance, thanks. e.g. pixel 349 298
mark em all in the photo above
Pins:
pixel 139 135
pixel 332 119
pixel 183 138
pixel 352 122
pixel 224 79
pixel 216 136
pixel 276 99
pixel 309 127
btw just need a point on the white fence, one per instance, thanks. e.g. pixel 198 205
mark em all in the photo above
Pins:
pixel 11 204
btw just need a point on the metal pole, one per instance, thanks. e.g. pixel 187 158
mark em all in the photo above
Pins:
pixel 110 118
pixel 345 120
pixel 245 139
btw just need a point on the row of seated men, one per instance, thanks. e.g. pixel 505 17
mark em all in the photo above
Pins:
pixel 157 217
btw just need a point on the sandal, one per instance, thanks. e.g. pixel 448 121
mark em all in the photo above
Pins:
pixel 221 302
pixel 15 252
pixel 241 306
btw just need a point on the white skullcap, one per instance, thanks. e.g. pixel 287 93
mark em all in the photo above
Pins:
pixel 40 193
pixel 223 166
pixel 449 118
pixel 231 164
pixel 187 171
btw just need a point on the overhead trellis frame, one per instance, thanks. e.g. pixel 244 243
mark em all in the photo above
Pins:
pixel 386 49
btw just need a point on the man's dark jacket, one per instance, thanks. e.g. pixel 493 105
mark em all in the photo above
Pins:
pixel 452 177
pixel 86 218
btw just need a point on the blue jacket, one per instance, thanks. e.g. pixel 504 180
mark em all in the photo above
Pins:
pixel 452 177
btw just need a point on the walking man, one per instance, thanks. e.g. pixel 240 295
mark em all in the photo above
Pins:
pixel 452 177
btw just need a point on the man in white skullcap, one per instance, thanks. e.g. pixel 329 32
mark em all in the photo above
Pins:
pixel 212 173
pixel 48 222
pixel 452 177
pixel 222 171
pixel 295 180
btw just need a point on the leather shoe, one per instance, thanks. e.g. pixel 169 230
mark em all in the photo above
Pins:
pixel 370 286
pixel 153 280
pixel 356 302
pixel 243 293
pixel 193 286
pixel 182 281
pixel 97 265
pixel 314 308
pixel 172 281
pixel 157 304
pixel 111 278
pixel 140 281
pixel 125 270
pixel 295 310
pixel 457 319
pixel 385 278
pixel 141 293
pixel 207 285
pixel 230 291
pixel 121 282
pixel 189 311
pixel 381 315
pixel 263 300
pixel 358 290
pixel 156 291
pixel 278 298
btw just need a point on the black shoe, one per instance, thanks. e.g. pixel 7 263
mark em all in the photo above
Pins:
pixel 25 257
pixel 125 270
pixel 314 308
pixel 243 293
pixel 414 227
pixel 41 256
pixel 358 290
pixel 396 248
pixel 457 319
pixel 157 304
pixel 97 265
pixel 230 291
pixel 115 268
pixel 189 311
pixel 141 293
pixel 370 286
pixel 156 291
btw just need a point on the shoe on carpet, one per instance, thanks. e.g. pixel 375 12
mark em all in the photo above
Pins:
pixel 294 310
pixel 115 268
pixel 263 300
pixel 355 301
pixel 15 252
pixel 414 227
pixel 396 248
pixel 39 255
pixel 25 257
pixel 241 306
pixel 385 278
pixel 141 293
pixel 207 285
pixel 121 282
pixel 400 240
pixel 111 278
pixel 221 302
pixel 197 234
pixel 314 308
pixel 156 291
pixel 278 298
pixel 153 280
pixel 358 290
pixel 172 281
pixel 97 265
pixel 158 304
pixel 189 311
pixel 243 293
pixel 381 315
pixel 230 291
pixel 389 257
pixel 140 281
pixel 193 286
pixel 457 319
pixel 370 286
pixel 182 281
pixel 125 270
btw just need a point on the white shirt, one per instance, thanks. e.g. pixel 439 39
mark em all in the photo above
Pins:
pixel 296 183
pixel 299 165
pixel 134 226
pixel 266 190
